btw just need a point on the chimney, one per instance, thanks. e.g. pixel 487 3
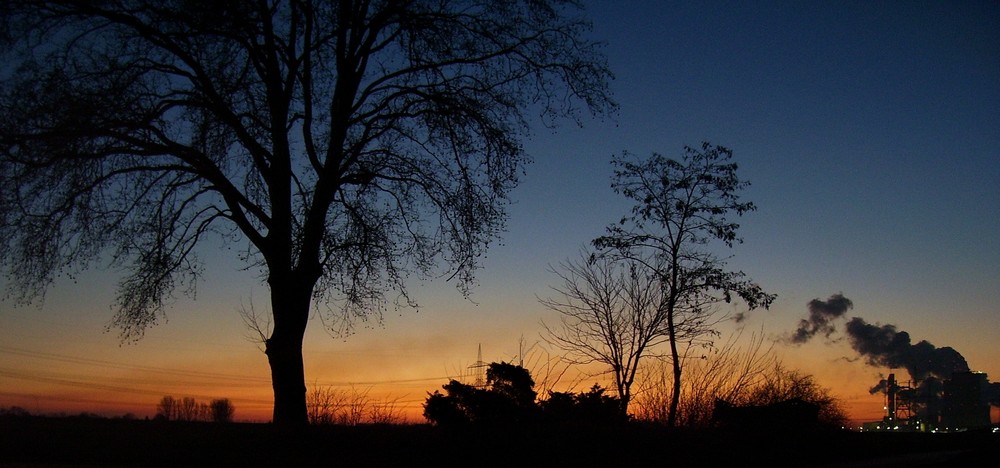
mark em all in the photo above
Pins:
pixel 890 396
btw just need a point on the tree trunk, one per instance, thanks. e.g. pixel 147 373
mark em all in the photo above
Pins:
pixel 290 307
pixel 676 395
pixel 287 379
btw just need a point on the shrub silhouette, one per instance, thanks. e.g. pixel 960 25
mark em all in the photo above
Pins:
pixel 591 407
pixel 509 398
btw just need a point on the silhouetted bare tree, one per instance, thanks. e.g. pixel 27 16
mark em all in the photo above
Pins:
pixel 189 410
pixel 612 312
pixel 344 146
pixel 681 206
pixel 168 408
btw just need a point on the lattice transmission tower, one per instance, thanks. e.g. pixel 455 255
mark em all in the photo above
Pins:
pixel 478 369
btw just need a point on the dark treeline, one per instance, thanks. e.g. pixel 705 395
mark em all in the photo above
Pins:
pixel 220 410
pixel 188 409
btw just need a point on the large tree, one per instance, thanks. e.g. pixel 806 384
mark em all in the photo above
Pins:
pixel 682 207
pixel 347 145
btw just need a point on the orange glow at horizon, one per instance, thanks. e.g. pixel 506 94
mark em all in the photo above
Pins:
pixel 137 393
pixel 83 369
pixel 117 389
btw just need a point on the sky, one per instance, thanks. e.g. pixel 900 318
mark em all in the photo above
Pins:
pixel 870 134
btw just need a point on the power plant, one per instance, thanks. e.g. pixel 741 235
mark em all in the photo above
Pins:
pixel 943 395
pixel 958 404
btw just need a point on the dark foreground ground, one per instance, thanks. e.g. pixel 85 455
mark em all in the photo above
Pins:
pixel 36 441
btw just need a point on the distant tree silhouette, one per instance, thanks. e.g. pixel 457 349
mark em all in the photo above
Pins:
pixel 188 409
pixel 681 206
pixel 340 147
pixel 167 409
pixel 222 410
pixel 14 412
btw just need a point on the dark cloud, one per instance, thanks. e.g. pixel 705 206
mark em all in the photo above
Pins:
pixel 821 317
pixel 885 346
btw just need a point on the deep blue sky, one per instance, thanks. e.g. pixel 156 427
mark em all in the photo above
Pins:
pixel 870 132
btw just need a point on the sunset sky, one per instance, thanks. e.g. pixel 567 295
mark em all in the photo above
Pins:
pixel 870 132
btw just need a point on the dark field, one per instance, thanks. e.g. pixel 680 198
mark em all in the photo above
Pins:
pixel 36 441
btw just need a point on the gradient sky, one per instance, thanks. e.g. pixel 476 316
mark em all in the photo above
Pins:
pixel 870 132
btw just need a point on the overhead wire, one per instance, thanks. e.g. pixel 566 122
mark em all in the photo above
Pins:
pixel 192 378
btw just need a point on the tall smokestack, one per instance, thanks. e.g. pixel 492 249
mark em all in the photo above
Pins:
pixel 890 396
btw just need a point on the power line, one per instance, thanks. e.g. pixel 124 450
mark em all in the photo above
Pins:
pixel 133 381
pixel 115 365
pixel 199 374
pixel 105 387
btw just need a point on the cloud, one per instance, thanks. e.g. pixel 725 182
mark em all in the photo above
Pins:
pixel 821 317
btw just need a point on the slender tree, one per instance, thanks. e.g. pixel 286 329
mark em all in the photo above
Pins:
pixel 681 207
pixel 344 146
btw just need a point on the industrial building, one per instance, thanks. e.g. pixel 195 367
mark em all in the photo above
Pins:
pixel 958 404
